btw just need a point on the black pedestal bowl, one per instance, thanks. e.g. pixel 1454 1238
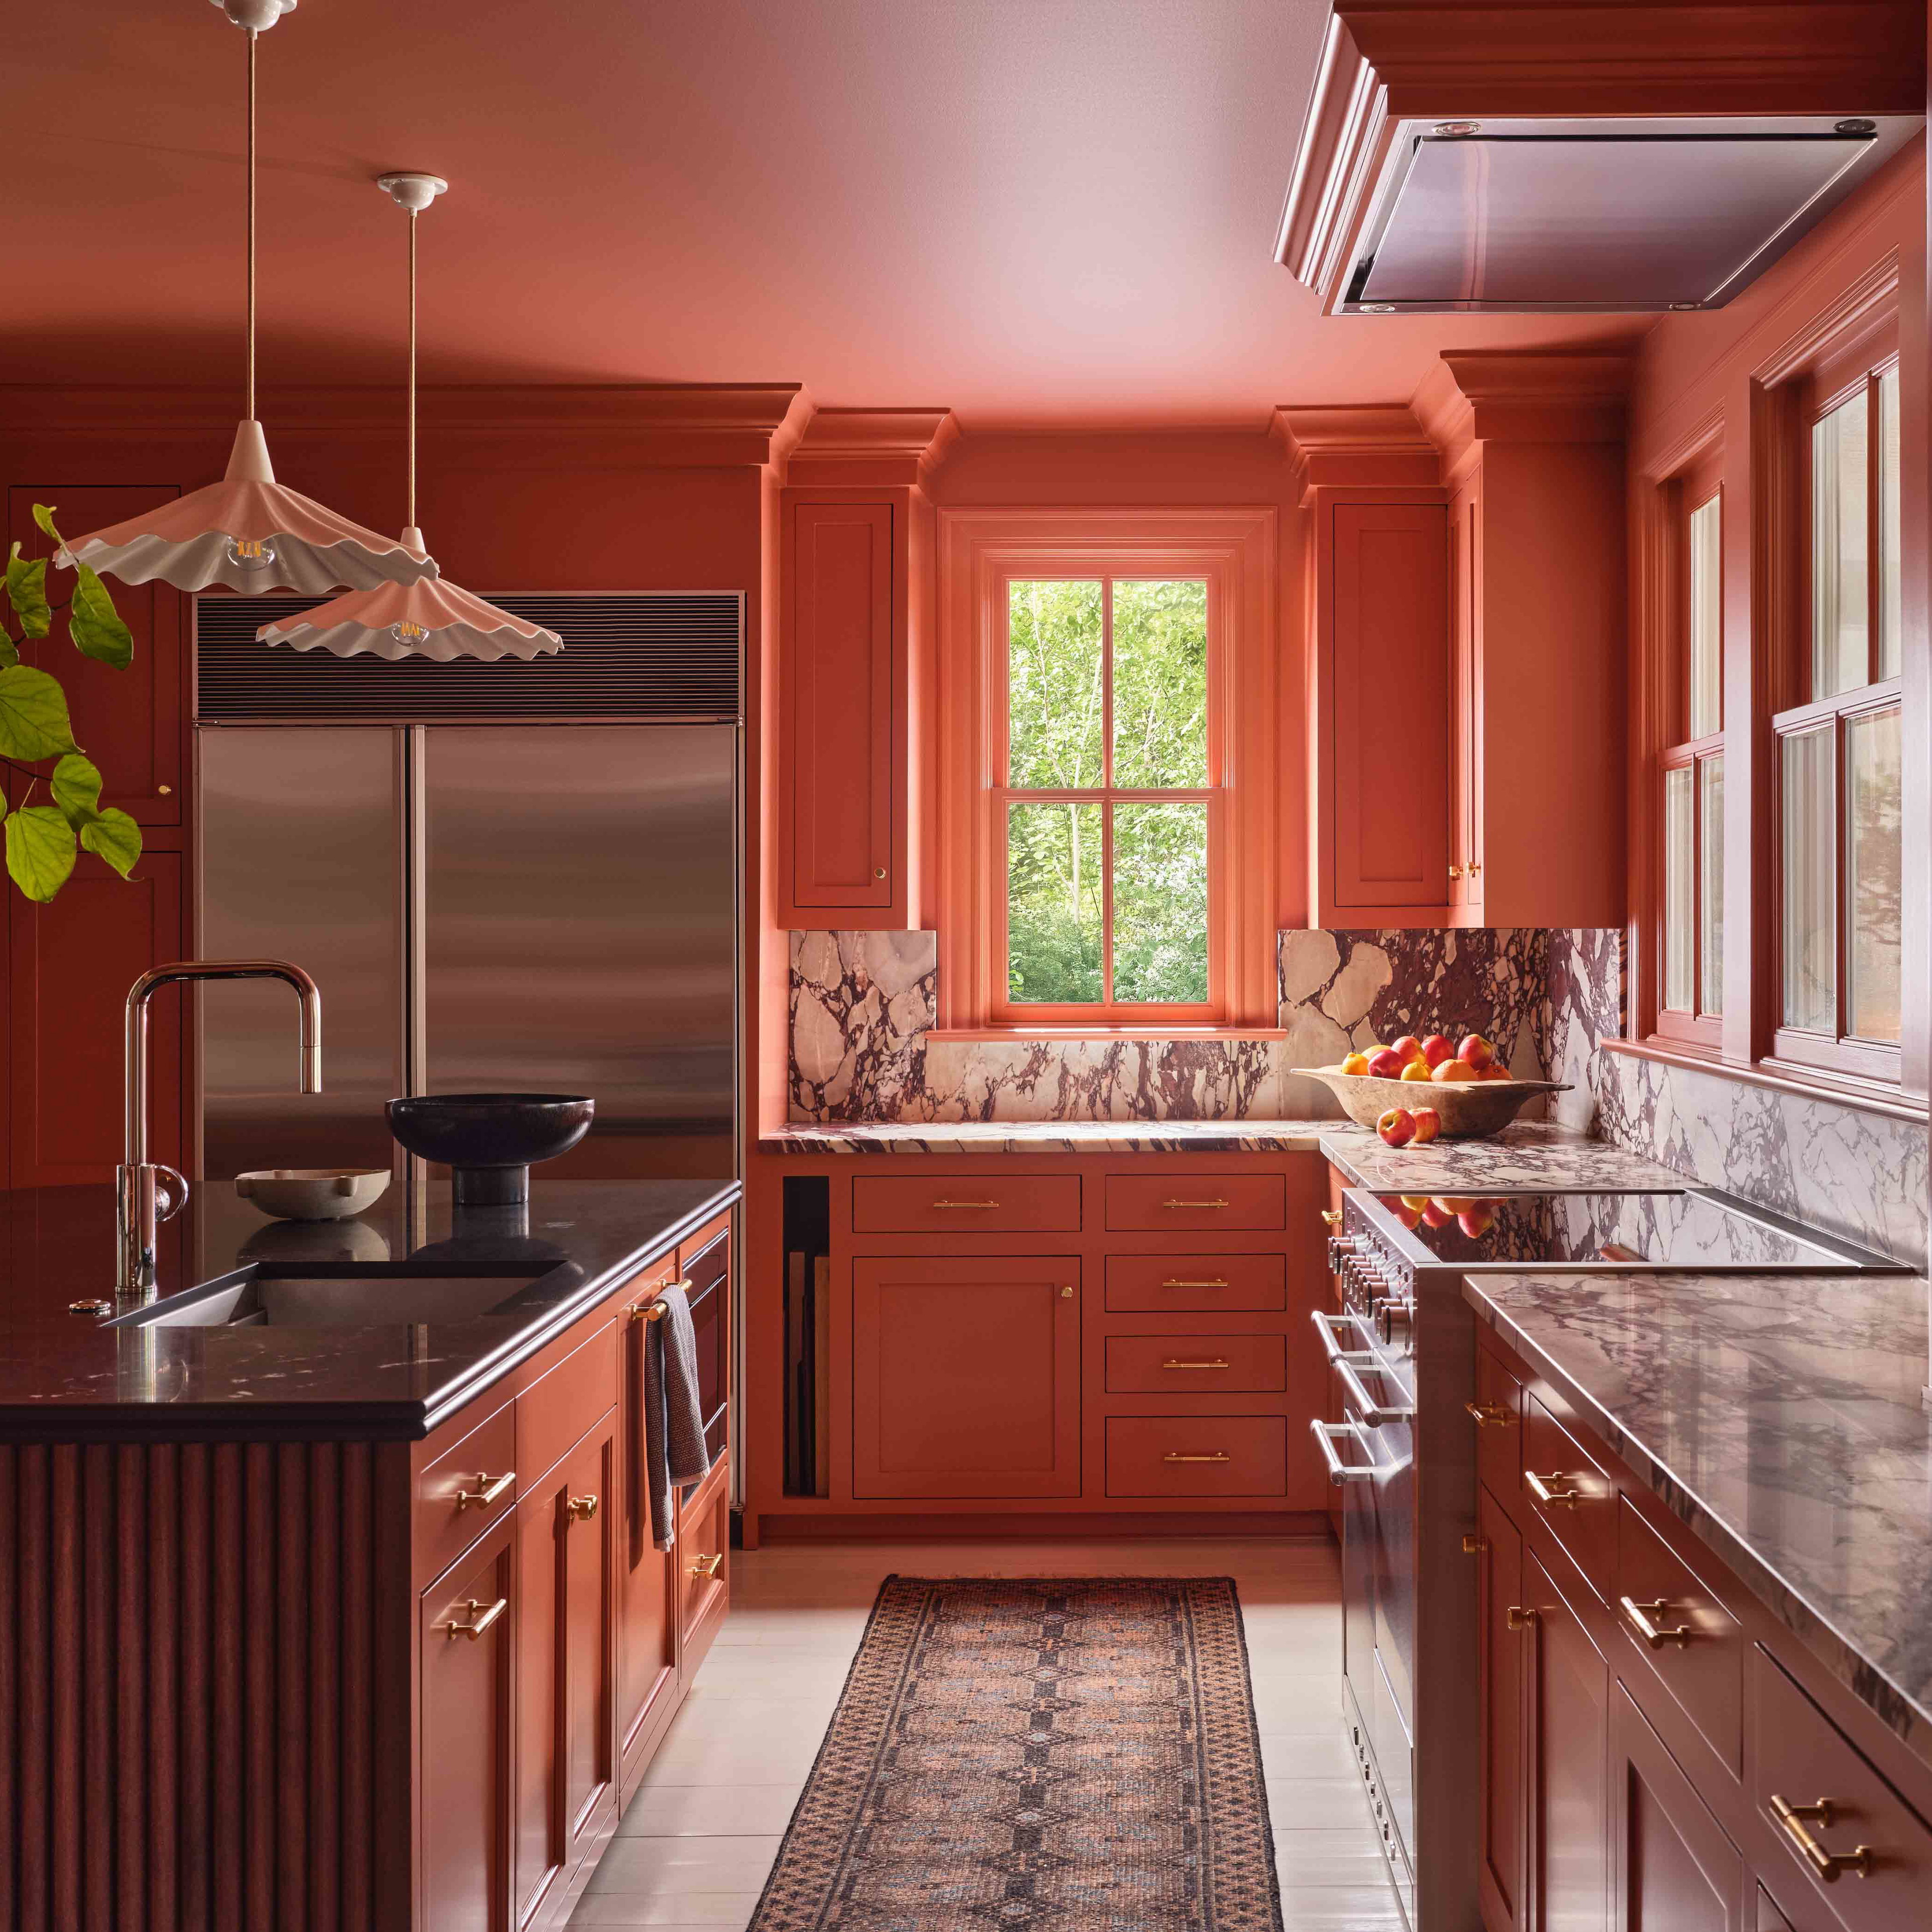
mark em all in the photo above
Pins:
pixel 489 1140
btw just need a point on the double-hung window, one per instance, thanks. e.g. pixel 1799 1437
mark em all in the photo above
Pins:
pixel 1839 871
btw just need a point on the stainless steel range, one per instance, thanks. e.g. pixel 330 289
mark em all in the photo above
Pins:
pixel 1403 1351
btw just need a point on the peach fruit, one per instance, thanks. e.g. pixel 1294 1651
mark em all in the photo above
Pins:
pixel 1453 1070
pixel 1396 1126
pixel 1476 1051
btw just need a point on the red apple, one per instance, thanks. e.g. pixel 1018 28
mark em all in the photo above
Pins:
pixel 1477 1219
pixel 1396 1126
pixel 1385 1064
pixel 1408 1047
pixel 1428 1125
pixel 1409 1217
pixel 1436 1050
pixel 1476 1051
pixel 1436 1215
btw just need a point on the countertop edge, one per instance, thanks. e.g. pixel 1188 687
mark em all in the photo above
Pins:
pixel 1901 1713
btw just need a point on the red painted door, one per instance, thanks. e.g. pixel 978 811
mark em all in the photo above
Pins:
pixel 842 703
pixel 1502 1674
pixel 966 1376
pixel 1390 648
pixel 464 1748
pixel 588 1574
pixel 1569 1792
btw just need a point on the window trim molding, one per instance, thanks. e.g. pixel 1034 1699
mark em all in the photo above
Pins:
pixel 979 550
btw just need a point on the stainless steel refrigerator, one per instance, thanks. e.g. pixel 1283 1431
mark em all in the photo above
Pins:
pixel 530 907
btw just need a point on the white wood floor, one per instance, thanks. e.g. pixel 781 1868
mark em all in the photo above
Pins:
pixel 695 1846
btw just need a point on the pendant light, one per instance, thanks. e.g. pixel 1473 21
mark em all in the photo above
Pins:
pixel 247 532
pixel 423 620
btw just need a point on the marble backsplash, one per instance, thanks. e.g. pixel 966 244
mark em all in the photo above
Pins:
pixel 863 1006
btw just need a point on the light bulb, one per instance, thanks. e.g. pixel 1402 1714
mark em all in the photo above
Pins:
pixel 409 631
pixel 251 553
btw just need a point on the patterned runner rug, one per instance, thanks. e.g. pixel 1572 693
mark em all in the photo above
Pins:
pixel 1078 1753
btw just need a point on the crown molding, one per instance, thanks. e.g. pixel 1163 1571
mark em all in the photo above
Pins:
pixel 1374 445
pixel 894 448
pixel 1518 395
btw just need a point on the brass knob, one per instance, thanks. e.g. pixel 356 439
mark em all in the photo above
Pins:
pixel 165 791
pixel 1067 1295
pixel 878 871
pixel 582 1508
pixel 1473 1546
pixel 1518 1617
pixel 1455 871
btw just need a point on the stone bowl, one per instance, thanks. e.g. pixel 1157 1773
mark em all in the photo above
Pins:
pixel 1470 1108
pixel 312 1193
pixel 488 1141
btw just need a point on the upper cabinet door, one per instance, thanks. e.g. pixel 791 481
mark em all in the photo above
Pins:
pixel 129 722
pixel 844 727
pixel 1389 646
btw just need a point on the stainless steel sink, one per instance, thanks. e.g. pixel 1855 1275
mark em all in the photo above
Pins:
pixel 352 1298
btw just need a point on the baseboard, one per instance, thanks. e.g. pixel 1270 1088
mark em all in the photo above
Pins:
pixel 1306 1525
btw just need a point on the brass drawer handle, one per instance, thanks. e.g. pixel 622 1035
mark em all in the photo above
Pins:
pixel 1473 1546
pixel 1333 1216
pixel 1553 1499
pixel 965 1204
pixel 1217 1363
pixel 1827 1865
pixel 1518 1617
pixel 1217 1456
pixel 1639 1616
pixel 481 1616
pixel 1490 1414
pixel 1217 1282
pixel 1196 1203
pixel 654 1310
pixel 581 1508
pixel 708 1566
pixel 488 1488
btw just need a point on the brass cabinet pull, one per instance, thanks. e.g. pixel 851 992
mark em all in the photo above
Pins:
pixel 1518 1617
pixel 1195 1203
pixel 1216 1456
pixel 487 1490
pixel 581 1508
pixel 1067 1294
pixel 1216 1282
pixel 1333 1216
pixel 1217 1363
pixel 1473 1546
pixel 1639 1616
pixel 1490 1414
pixel 1455 871
pixel 481 1616
pixel 708 1566
pixel 965 1204
pixel 654 1310
pixel 1553 1499
pixel 1475 866
pixel 1827 1865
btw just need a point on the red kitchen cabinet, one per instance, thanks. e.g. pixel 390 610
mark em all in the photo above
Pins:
pixel 1569 1807
pixel 1501 1676
pixel 1673 1870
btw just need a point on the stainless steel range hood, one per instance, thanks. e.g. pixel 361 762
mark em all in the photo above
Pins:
pixel 1498 216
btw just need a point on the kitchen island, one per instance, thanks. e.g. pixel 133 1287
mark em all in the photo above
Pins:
pixel 359 1625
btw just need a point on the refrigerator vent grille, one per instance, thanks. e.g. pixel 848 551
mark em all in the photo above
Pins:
pixel 651 656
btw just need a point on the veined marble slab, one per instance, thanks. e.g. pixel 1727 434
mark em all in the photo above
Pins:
pixel 1779 1417
pixel 1526 1153
pixel 1049 1137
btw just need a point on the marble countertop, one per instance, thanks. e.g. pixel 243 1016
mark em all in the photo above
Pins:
pixel 1527 1153
pixel 60 1371
pixel 1780 1417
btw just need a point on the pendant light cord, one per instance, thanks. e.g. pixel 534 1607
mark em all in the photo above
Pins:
pixel 251 224
pixel 411 518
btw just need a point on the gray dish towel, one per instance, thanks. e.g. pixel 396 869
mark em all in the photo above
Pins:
pixel 674 1452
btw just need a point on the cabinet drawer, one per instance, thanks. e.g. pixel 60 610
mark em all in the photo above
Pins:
pixel 1800 1756
pixel 1570 1494
pixel 1197 1456
pixel 1187 1203
pixel 552 1414
pixel 1196 1364
pixel 986 1203
pixel 1499 1426
pixel 703 1564
pixel 464 1491
pixel 1703 1668
pixel 1197 1284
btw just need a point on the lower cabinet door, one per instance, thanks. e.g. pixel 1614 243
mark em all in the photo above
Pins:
pixel 1672 1868
pixel 468 1626
pixel 704 1567
pixel 1501 1670
pixel 1569 1765
pixel 646 1650
pixel 566 1745
pixel 966 1376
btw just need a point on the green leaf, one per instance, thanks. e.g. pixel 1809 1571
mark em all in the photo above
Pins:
pixel 33 714
pixel 27 591
pixel 75 785
pixel 44 515
pixel 115 837
pixel 95 625
pixel 8 655
pixel 39 851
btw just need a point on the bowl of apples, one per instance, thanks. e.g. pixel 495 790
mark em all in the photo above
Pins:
pixel 1413 1090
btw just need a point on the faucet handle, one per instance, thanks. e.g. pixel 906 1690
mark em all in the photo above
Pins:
pixel 173 1197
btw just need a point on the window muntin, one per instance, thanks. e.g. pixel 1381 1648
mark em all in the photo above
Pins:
pixel 1109 793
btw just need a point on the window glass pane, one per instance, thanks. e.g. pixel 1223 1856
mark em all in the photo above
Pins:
pixel 1707 669
pixel 1838 548
pixel 1872 876
pixel 1891 584
pixel 1054 694
pixel 1679 890
pixel 1810 812
pixel 1710 882
pixel 1160 902
pixel 1160 682
pixel 1054 893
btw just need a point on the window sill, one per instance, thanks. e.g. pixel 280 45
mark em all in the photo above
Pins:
pixel 1017 1035
pixel 1780 1077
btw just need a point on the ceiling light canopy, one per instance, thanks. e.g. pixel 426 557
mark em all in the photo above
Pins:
pixel 247 532
pixel 422 619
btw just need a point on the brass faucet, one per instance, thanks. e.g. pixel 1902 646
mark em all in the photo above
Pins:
pixel 139 1185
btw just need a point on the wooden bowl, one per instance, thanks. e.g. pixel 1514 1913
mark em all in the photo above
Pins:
pixel 1469 1108
pixel 313 1193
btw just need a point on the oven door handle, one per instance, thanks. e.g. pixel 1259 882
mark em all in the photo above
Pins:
pixel 1376 1413
pixel 1325 1326
pixel 1340 1472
